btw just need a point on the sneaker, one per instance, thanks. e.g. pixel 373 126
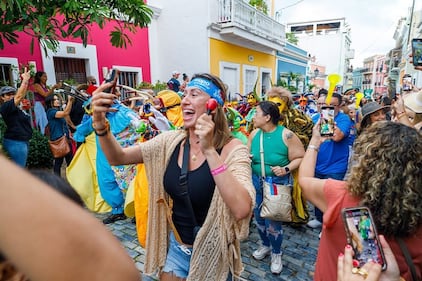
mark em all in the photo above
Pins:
pixel 314 223
pixel 113 218
pixel 261 252
pixel 276 264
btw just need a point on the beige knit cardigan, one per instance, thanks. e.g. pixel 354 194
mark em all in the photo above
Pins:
pixel 216 249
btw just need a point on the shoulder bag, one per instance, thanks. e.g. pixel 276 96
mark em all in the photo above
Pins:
pixel 409 260
pixel 59 147
pixel 277 198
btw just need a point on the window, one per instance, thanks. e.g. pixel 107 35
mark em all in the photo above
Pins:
pixel 250 75
pixel 128 78
pixel 70 69
pixel 230 75
pixel 6 77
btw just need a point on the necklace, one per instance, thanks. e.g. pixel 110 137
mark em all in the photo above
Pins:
pixel 194 154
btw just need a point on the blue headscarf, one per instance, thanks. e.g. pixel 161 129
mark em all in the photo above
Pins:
pixel 208 87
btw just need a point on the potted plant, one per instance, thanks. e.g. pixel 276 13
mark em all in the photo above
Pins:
pixel 144 85
pixel 159 86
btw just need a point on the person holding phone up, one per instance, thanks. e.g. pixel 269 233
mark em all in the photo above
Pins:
pixel 204 171
pixel 333 155
pixel 386 178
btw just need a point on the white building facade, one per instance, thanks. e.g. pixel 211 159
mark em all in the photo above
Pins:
pixel 329 42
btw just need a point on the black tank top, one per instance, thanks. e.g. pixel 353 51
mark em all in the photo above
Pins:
pixel 200 188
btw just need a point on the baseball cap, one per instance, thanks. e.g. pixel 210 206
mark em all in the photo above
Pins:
pixel 175 72
pixel 7 89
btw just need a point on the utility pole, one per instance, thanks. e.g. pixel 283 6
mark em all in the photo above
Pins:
pixel 410 23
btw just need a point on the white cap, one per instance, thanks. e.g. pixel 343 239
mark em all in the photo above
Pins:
pixel 175 72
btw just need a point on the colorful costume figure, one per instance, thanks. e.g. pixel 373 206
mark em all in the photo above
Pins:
pixel 301 125
pixel 237 122
pixel 170 107
pixel 113 181
pixel 171 102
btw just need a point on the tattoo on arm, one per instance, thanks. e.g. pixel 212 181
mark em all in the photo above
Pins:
pixel 289 135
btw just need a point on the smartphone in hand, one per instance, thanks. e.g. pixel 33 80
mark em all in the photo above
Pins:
pixel 112 77
pixel 407 83
pixel 417 51
pixel 362 235
pixel 327 121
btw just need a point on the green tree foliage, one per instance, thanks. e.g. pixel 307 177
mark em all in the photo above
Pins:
pixel 40 19
pixel 291 38
pixel 259 5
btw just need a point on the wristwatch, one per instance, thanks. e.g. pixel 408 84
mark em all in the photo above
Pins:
pixel 287 169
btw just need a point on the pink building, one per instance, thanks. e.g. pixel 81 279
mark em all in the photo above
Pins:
pixel 74 61
pixel 374 74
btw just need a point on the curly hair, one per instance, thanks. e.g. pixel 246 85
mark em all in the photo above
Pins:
pixel 387 176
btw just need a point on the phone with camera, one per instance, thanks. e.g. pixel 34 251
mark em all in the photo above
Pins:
pixel 112 77
pixel 327 121
pixel 417 51
pixel 362 235
pixel 407 83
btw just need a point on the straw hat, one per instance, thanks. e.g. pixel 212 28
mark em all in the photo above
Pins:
pixel 413 101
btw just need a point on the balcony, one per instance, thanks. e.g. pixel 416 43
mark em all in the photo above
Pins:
pixel 243 23
pixel 350 54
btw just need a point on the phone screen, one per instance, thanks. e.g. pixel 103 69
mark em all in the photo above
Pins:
pixel 327 121
pixel 417 51
pixel 362 236
pixel 407 83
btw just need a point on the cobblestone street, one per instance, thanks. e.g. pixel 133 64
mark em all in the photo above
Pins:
pixel 299 247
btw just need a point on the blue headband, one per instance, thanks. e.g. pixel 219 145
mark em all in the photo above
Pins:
pixel 208 87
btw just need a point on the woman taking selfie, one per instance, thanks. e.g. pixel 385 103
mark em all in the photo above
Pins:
pixel 215 194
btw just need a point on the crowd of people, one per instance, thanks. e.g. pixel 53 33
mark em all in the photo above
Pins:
pixel 203 185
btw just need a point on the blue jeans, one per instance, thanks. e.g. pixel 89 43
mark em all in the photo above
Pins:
pixel 17 150
pixel 178 258
pixel 270 232
pixel 336 176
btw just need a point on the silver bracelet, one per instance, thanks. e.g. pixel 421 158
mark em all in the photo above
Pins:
pixel 314 147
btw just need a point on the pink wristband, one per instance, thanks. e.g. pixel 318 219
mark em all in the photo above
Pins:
pixel 219 170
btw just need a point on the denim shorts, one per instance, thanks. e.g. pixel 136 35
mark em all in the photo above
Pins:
pixel 178 258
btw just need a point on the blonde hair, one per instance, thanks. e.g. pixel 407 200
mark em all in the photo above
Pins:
pixel 387 176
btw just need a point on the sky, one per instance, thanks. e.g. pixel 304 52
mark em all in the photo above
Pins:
pixel 372 22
